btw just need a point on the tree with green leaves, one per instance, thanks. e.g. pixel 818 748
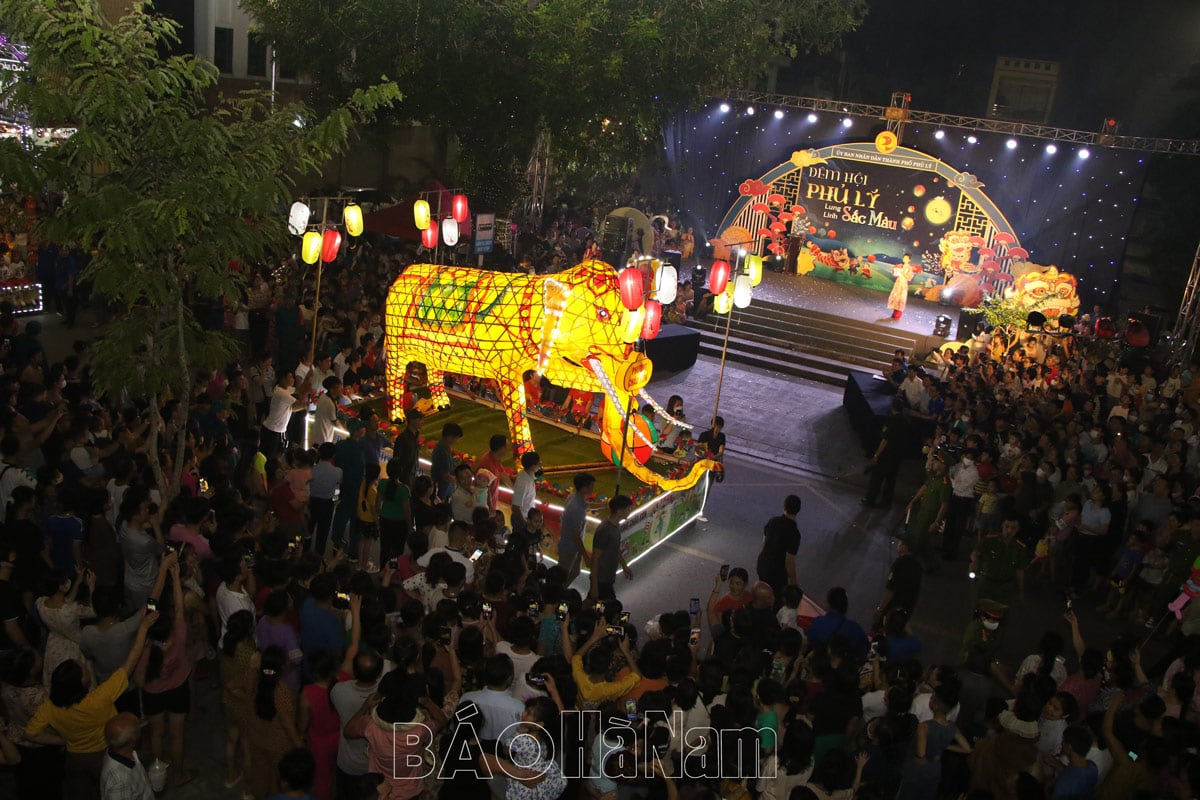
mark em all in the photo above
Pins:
pixel 166 186
pixel 600 76
pixel 1007 314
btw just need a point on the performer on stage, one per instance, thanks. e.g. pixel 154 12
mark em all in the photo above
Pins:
pixel 898 299
pixel 687 241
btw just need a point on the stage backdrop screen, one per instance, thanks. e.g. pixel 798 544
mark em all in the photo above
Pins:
pixel 1062 205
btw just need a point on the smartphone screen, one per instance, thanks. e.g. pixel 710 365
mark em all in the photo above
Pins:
pixel 694 638
pixel 694 606
pixel 562 611
pixel 151 605
pixel 616 630
pixel 487 610
pixel 724 572
pixel 624 617
pixel 631 709
pixel 535 608
pixel 600 607
pixel 475 556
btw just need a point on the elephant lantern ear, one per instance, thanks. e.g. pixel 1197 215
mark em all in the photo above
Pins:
pixel 555 296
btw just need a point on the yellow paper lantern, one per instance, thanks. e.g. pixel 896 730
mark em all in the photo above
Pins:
pixel 310 247
pixel 352 216
pixel 421 214
pixel 723 303
pixel 754 268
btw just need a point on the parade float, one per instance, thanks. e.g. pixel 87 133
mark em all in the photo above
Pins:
pixel 578 329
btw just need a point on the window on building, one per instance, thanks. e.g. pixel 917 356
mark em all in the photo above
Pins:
pixel 256 56
pixel 223 50
pixel 287 70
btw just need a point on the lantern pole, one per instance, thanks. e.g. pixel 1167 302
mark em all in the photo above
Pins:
pixel 725 345
pixel 312 346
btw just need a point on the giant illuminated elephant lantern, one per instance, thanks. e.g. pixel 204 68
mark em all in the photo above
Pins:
pixel 571 327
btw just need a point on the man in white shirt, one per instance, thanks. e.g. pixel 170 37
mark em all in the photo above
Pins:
pixel 347 698
pixel 913 389
pixel 525 489
pixel 123 776
pixel 458 539
pixel 325 416
pixel 283 405
pixel 963 478
pixel 499 708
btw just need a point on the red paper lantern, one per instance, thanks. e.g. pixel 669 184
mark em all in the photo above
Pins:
pixel 718 277
pixel 461 212
pixel 429 237
pixel 331 242
pixel 632 288
pixel 653 319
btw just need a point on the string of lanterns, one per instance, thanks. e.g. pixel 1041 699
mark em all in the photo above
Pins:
pixel 423 218
pixel 323 244
pixel 737 293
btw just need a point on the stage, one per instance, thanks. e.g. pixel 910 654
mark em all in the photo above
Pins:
pixel 852 303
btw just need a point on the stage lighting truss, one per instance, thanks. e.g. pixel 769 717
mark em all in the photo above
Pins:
pixel 1187 147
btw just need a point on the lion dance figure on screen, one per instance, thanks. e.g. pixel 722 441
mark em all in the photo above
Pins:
pixel 1049 291
pixel 571 327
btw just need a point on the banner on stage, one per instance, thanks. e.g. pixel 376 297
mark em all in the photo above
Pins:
pixel 851 212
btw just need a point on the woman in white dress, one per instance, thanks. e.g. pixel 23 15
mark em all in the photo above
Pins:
pixel 61 613
pixel 898 298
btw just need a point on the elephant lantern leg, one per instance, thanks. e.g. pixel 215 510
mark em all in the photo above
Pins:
pixel 512 396
pixel 437 387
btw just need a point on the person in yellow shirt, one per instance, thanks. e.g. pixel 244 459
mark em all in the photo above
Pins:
pixel 79 715
pixel 593 662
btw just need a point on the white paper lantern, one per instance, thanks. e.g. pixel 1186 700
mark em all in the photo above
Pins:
pixel 450 231
pixel 743 290
pixel 298 218
pixel 667 282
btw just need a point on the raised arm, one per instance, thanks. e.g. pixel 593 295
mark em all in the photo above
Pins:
pixel 714 617
pixel 355 633
pixel 139 641
pixel 160 580
pixel 177 592
pixel 1076 637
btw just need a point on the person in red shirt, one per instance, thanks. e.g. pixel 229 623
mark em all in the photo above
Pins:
pixel 737 596
pixel 533 389
pixel 493 462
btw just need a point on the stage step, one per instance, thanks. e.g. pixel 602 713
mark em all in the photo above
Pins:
pixel 802 342
pixel 787 362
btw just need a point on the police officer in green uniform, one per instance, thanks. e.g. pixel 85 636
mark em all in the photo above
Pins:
pixel 928 509
pixel 1000 563
pixel 985 630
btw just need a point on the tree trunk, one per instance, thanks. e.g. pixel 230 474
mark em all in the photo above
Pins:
pixel 185 389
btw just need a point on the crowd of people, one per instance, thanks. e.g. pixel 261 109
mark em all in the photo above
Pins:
pixel 380 630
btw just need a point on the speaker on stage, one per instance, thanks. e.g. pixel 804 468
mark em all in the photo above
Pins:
pixel 614 238
pixel 1153 323
pixel 968 321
